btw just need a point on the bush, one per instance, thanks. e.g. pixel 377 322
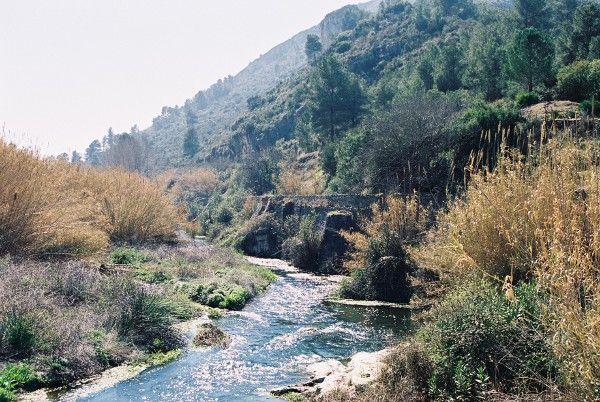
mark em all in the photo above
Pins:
pixel 18 333
pixel 127 256
pixel 401 222
pixel 222 296
pixel 303 249
pixel 481 340
pixel 539 217
pixel 386 280
pixel 15 377
pixel 19 376
pixel 525 99
pixel 579 81
pixel 145 319
pixel 587 107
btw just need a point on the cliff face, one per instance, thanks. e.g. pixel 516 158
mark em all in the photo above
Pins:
pixel 214 110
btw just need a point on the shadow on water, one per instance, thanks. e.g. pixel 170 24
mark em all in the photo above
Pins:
pixel 274 339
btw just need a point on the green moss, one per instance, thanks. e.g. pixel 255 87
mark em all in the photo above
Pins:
pixel 161 358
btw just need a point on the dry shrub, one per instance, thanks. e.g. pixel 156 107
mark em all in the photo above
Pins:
pixel 539 216
pixel 49 206
pixel 202 180
pixel 135 209
pixel 401 221
pixel 300 179
pixel 39 208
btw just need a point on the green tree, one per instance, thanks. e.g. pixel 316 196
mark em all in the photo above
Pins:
pixel 484 62
pixel 425 70
pixel 579 81
pixel 594 48
pixel 313 48
pixel 191 144
pixel 532 13
pixel 93 153
pixel 530 58
pixel 337 98
pixel 461 8
pixel 449 68
pixel 257 172
pixel 75 157
pixel 585 26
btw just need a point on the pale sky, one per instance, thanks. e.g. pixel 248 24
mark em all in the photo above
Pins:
pixel 70 69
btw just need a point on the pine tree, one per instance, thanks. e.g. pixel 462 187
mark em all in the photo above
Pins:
pixel 530 58
pixel 532 13
pixel 75 157
pixel 313 48
pixel 337 98
pixel 93 153
pixel 191 145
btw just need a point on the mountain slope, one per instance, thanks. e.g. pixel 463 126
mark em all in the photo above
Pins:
pixel 211 111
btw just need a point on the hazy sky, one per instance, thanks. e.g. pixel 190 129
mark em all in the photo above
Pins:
pixel 72 68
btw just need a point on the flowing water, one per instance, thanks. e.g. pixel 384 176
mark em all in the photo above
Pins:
pixel 274 339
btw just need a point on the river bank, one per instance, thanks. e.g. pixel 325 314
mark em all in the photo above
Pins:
pixel 274 340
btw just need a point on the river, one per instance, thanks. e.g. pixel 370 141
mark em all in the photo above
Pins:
pixel 274 339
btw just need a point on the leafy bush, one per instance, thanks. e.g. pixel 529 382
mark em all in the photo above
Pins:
pixel 16 377
pixel 579 81
pixel 303 249
pixel 525 99
pixel 587 107
pixel 127 256
pixel 385 280
pixel 19 376
pixel 481 340
pixel 17 333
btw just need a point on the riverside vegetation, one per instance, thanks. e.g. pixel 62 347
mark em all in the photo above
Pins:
pixel 486 108
pixel 73 303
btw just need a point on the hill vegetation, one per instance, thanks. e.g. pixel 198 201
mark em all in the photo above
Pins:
pixel 455 100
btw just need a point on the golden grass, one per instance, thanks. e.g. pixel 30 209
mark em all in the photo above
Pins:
pixel 49 206
pixel 198 180
pixel 538 217
pixel 404 217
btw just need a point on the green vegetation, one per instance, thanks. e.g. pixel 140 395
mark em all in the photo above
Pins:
pixel 14 377
pixel 512 321
pixel 66 320
pixel 303 243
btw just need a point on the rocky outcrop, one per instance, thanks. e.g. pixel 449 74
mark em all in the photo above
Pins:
pixel 332 375
pixel 209 335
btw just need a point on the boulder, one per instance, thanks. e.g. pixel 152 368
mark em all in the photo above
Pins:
pixel 210 335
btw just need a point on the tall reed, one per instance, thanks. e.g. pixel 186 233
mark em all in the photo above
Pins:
pixel 49 206
pixel 537 216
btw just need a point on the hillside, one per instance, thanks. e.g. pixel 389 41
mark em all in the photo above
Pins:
pixel 213 110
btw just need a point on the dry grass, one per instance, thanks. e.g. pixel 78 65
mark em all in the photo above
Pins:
pixel 199 180
pixel 48 206
pixel 539 217
pixel 405 219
